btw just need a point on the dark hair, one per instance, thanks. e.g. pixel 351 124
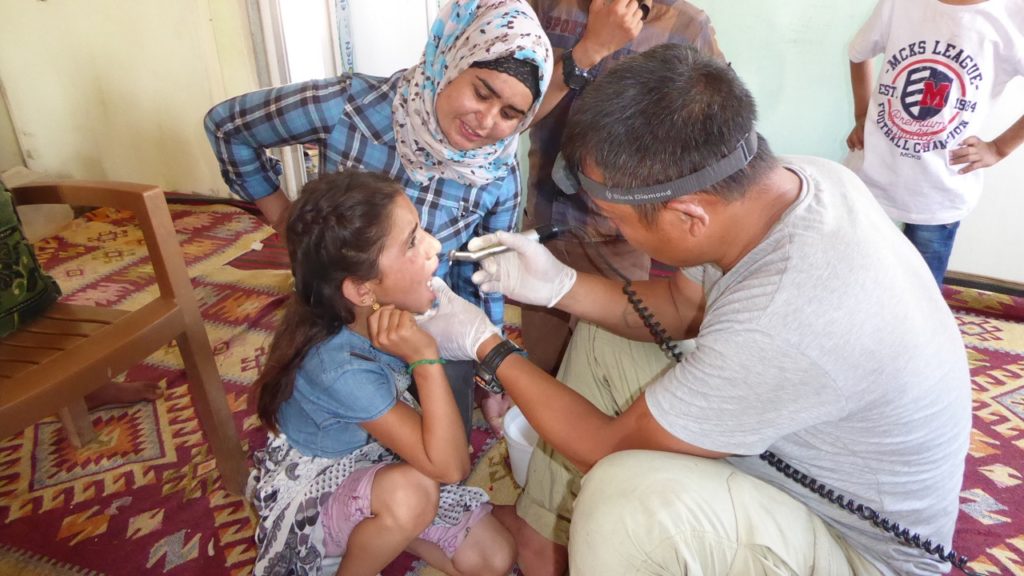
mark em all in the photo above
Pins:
pixel 663 114
pixel 336 230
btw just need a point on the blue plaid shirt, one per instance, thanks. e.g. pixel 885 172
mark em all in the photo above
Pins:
pixel 349 118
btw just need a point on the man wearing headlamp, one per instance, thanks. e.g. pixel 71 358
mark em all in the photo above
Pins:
pixel 587 37
pixel 815 340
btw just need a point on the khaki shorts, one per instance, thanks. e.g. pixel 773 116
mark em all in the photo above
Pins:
pixel 658 513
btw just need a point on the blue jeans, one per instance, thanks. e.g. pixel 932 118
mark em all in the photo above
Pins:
pixel 935 243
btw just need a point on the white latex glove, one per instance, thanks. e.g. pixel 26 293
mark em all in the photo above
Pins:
pixel 529 273
pixel 458 326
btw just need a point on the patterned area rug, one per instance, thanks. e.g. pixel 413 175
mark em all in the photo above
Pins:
pixel 991 525
pixel 144 498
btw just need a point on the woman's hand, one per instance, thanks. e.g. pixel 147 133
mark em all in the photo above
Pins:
pixel 395 331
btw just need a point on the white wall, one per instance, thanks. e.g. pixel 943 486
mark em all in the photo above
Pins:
pixel 10 152
pixel 306 25
pixel 108 89
pixel 388 35
pixel 792 55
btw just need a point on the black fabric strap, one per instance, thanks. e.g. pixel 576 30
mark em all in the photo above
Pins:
pixel 699 180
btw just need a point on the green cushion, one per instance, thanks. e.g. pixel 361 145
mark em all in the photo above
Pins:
pixel 25 290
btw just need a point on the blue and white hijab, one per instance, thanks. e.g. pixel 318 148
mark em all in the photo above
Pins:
pixel 466 31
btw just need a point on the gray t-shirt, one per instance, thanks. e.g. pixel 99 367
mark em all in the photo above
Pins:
pixel 830 345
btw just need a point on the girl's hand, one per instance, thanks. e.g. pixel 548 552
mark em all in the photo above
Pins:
pixel 975 153
pixel 395 331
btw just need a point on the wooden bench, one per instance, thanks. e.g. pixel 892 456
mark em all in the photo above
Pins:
pixel 48 365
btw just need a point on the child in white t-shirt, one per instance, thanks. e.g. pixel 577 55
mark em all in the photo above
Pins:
pixel 944 62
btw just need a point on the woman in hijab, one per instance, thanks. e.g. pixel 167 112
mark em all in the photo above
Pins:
pixel 447 129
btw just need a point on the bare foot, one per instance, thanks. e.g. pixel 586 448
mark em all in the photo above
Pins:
pixel 494 407
pixel 123 393
pixel 536 555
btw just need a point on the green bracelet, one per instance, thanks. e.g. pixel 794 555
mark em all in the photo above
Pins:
pixel 413 365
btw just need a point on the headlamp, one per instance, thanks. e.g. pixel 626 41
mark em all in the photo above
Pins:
pixel 699 180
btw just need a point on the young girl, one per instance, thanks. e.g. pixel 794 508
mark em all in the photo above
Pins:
pixel 354 468
pixel 446 129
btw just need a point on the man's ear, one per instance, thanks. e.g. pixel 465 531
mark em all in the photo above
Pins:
pixel 357 292
pixel 691 212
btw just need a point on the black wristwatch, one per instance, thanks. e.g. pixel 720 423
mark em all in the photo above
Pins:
pixel 575 77
pixel 487 370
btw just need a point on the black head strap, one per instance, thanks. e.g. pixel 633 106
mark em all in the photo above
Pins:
pixel 699 180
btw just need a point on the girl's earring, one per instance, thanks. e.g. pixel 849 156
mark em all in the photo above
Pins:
pixel 374 306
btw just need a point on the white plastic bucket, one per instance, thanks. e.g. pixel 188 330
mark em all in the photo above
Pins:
pixel 520 437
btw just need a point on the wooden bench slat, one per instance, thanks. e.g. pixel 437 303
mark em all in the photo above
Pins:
pixel 64 311
pixel 47 341
pixel 25 353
